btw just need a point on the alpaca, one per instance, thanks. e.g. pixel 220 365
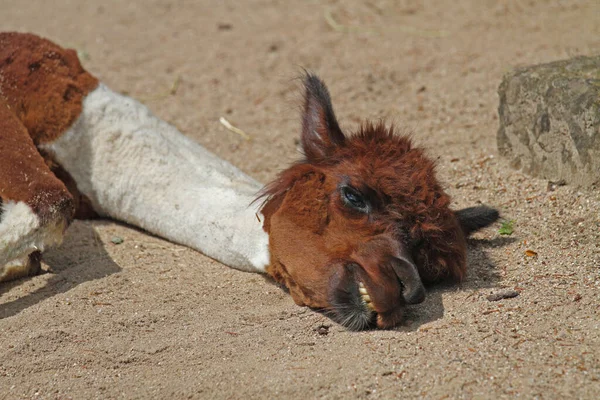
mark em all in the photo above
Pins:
pixel 355 228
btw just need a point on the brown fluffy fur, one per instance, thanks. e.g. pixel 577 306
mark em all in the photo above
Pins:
pixel 42 83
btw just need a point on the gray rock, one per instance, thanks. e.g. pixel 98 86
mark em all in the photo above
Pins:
pixel 550 120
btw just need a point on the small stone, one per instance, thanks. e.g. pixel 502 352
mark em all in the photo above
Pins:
pixel 322 330
pixel 224 26
pixel 503 294
pixel 117 240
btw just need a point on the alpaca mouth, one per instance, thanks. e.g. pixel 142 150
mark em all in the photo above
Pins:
pixel 350 302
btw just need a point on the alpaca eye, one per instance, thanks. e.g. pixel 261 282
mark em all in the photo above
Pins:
pixel 354 199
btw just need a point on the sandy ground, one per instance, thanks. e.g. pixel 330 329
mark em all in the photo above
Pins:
pixel 150 319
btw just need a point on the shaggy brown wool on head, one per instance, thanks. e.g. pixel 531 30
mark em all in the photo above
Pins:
pixel 361 217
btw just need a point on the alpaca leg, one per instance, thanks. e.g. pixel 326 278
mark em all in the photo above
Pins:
pixel 35 207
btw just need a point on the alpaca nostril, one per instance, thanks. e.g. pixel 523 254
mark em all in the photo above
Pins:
pixel 413 291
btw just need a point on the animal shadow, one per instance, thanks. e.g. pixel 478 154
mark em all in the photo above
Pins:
pixel 481 274
pixel 80 259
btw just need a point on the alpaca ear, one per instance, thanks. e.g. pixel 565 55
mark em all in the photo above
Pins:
pixel 321 133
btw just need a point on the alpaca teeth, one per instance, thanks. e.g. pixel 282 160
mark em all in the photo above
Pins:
pixel 364 295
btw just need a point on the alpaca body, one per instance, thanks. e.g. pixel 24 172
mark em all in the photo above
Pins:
pixel 116 159
pixel 355 228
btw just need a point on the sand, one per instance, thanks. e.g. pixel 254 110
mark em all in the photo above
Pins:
pixel 151 319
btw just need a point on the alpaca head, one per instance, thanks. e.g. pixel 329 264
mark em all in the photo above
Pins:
pixel 361 222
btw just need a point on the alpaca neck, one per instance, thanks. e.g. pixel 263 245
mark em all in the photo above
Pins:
pixel 137 168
